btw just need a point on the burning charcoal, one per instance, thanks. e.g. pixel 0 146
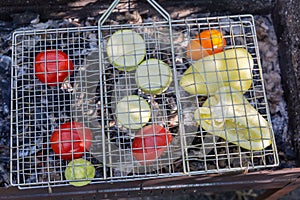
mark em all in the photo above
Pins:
pixel 160 55
pixel 168 101
pixel 41 46
pixel 197 165
pixel 140 93
pixel 98 167
pixel 49 166
pixel 4 153
pixel 5 64
pixel 120 137
pixel 28 177
pixel 93 40
pixel 24 18
pixel 59 101
pixel 182 65
pixel 4 175
pixel 6 26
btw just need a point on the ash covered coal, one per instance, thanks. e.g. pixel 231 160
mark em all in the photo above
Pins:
pixel 5 64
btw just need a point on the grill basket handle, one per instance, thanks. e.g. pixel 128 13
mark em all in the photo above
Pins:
pixel 153 3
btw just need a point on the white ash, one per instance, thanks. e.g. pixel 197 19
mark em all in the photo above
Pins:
pixel 268 48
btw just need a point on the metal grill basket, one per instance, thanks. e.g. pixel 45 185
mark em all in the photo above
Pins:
pixel 202 134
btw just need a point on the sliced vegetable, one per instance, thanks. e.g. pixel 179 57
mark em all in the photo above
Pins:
pixel 81 170
pixel 229 115
pixel 71 140
pixel 153 76
pixel 228 68
pixel 208 42
pixel 53 67
pixel 150 143
pixel 133 112
pixel 126 49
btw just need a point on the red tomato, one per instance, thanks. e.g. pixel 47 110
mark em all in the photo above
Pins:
pixel 150 142
pixel 52 67
pixel 71 140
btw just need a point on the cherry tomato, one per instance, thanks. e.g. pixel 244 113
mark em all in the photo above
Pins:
pixel 150 142
pixel 71 140
pixel 212 40
pixel 195 50
pixel 208 42
pixel 52 67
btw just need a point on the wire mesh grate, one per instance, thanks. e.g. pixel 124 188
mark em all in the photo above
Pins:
pixel 126 126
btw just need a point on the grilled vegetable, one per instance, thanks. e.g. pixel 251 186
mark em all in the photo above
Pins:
pixel 150 143
pixel 71 140
pixel 229 68
pixel 126 49
pixel 208 42
pixel 230 116
pixel 153 76
pixel 53 67
pixel 80 169
pixel 133 112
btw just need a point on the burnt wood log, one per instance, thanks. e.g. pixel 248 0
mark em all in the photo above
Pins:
pixel 286 17
pixel 58 9
pixel 262 180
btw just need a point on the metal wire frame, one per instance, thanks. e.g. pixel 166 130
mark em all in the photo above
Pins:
pixel 239 31
pixel 213 151
pixel 38 110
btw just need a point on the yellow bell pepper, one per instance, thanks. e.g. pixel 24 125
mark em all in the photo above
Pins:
pixel 231 67
pixel 230 116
